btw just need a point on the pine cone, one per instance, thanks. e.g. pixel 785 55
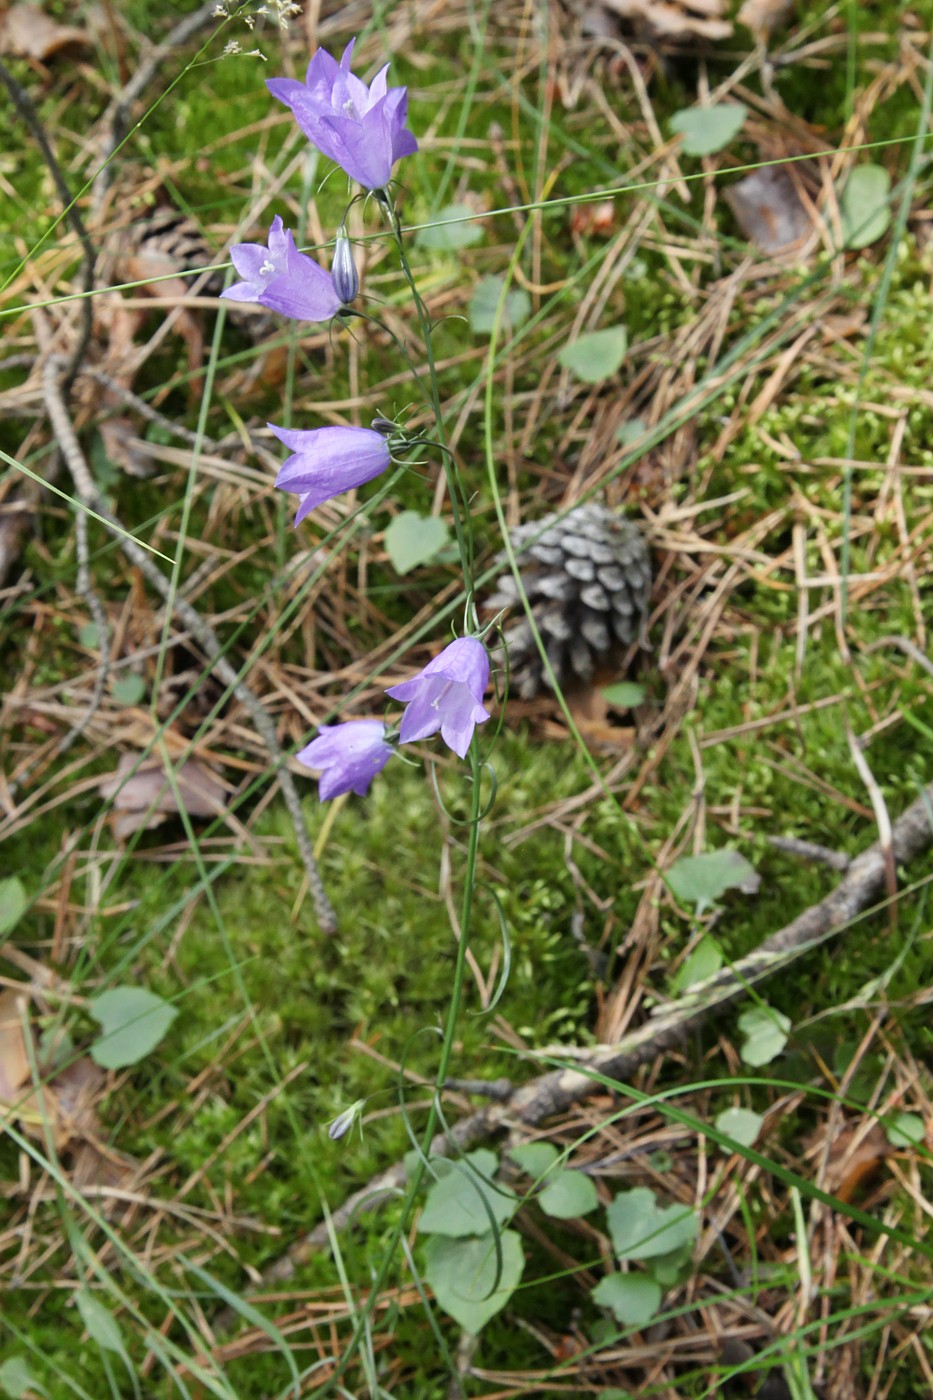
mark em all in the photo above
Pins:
pixel 588 580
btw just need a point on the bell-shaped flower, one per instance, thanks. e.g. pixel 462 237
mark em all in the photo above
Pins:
pixel 362 128
pixel 281 278
pixel 347 756
pixel 447 696
pixel 326 461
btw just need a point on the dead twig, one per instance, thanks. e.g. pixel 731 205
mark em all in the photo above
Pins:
pixel 199 629
pixel 556 1091
pixel 24 106
pixel 117 116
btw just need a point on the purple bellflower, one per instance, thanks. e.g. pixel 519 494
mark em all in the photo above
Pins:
pixel 347 756
pixel 447 696
pixel 283 279
pixel 361 128
pixel 326 461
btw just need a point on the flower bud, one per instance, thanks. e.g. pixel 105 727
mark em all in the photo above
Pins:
pixel 343 270
pixel 345 1120
pixel 385 426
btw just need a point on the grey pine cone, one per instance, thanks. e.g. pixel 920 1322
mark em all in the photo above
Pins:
pixel 588 580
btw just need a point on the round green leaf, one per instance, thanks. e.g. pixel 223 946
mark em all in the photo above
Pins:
pixel 447 234
pixel 12 904
pixel 906 1130
pixel 740 1124
pixel 17 1380
pixel 624 695
pixel 595 356
pixel 631 431
pixel 413 539
pixel 465 1200
pixel 708 129
pixel 633 1298
pixel 765 1034
pixel 132 1021
pixel 128 690
pixel 864 206
pixel 569 1195
pixel 640 1229
pixel 484 307
pixel 463 1276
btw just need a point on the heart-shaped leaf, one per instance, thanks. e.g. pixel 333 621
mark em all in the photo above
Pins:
pixel 484 307
pixel 633 1298
pixel 534 1158
pixel 132 1021
pixel 741 1124
pixel 568 1195
pixel 463 1276
pixel 465 1200
pixel 701 880
pixel 864 206
pixel 765 1034
pixel 708 129
pixel 641 1229
pixel 597 355
pixel 452 228
pixel 413 539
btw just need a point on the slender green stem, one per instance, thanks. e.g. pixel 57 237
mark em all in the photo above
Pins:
pixel 459 510
pixel 450 1029
pixel 461 519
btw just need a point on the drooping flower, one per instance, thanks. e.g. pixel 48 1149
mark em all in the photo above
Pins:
pixel 326 461
pixel 347 756
pixel 361 128
pixel 446 695
pixel 343 270
pixel 283 279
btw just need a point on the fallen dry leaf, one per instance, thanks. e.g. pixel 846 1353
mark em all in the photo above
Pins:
pixel 769 209
pixel 125 449
pixel 14 1062
pixel 667 19
pixel 594 218
pixel 145 798
pixel 28 32
pixel 762 17
pixel 855 1157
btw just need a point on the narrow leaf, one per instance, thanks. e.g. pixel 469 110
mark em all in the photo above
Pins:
pixel 12 904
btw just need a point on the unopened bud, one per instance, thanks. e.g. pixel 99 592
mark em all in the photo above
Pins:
pixel 345 1120
pixel 384 426
pixel 343 271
